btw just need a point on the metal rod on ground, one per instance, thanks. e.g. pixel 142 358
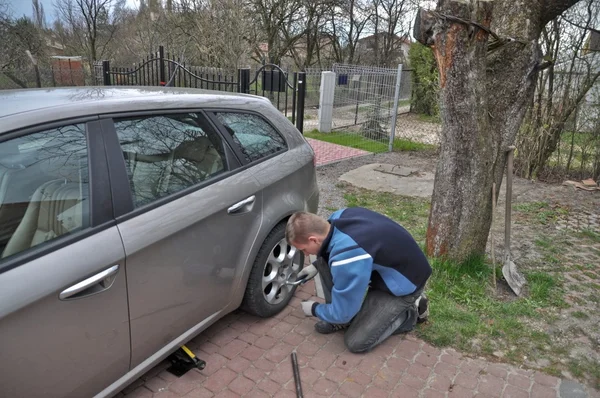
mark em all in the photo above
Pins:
pixel 296 375
pixel 395 110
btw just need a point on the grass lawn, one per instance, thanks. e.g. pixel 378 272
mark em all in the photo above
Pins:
pixel 355 140
pixel 465 313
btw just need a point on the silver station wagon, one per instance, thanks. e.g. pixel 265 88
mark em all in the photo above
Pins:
pixel 131 219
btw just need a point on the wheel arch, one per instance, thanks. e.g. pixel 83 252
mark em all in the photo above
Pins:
pixel 240 289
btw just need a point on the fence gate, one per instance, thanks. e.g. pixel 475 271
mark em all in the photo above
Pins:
pixel 164 70
pixel 287 96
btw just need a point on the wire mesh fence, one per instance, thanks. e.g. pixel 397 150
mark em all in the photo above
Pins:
pixel 363 106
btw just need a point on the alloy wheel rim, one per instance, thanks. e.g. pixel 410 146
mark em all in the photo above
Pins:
pixel 283 264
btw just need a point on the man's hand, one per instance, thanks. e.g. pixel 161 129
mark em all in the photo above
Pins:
pixel 307 307
pixel 307 273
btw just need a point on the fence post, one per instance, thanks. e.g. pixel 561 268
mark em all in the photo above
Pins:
pixel 327 92
pixel 300 104
pixel 106 72
pixel 395 109
pixel 161 65
pixel 244 80
pixel 294 95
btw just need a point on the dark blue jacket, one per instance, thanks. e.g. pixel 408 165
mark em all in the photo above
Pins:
pixel 367 247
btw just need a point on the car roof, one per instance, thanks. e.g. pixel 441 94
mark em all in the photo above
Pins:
pixel 27 107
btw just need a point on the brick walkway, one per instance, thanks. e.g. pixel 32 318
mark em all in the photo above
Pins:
pixel 327 152
pixel 250 357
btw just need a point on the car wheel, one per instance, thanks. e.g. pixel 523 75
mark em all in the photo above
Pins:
pixel 276 262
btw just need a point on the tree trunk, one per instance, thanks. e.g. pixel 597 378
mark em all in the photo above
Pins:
pixel 484 96
pixel 465 167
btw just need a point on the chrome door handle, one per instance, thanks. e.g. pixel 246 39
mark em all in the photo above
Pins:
pixel 241 204
pixel 90 283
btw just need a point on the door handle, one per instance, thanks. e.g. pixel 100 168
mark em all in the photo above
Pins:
pixel 234 208
pixel 101 281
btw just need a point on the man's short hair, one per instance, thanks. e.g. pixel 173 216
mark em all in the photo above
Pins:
pixel 301 225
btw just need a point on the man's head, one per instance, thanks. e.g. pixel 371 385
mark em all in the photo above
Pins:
pixel 306 231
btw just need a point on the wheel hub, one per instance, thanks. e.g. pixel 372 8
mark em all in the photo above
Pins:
pixel 283 265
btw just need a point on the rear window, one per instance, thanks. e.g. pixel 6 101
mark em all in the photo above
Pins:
pixel 256 138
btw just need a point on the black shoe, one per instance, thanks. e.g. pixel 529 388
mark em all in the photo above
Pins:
pixel 423 308
pixel 326 327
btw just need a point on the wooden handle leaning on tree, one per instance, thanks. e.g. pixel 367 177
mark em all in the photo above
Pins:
pixel 509 174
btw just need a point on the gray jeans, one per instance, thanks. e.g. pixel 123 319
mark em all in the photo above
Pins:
pixel 380 315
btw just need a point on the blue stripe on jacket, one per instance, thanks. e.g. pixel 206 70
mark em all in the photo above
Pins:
pixel 360 242
pixel 351 272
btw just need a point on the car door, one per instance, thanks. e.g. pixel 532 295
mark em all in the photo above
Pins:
pixel 189 219
pixel 64 323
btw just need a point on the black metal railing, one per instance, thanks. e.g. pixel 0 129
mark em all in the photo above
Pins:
pixel 164 70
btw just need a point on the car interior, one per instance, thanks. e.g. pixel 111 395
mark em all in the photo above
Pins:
pixel 40 198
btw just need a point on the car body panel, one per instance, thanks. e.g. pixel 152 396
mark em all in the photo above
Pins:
pixel 184 262
pixel 183 258
pixel 55 348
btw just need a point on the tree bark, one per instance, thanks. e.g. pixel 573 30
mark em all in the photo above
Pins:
pixel 465 163
pixel 484 97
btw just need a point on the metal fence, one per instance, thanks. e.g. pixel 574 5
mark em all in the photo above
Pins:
pixel 285 89
pixel 365 106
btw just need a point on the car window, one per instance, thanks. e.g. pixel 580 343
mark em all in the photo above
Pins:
pixel 168 153
pixel 255 137
pixel 44 188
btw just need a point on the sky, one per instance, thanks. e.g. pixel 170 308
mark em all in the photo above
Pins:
pixel 23 7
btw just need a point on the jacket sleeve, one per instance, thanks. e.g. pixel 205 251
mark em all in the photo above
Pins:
pixel 351 272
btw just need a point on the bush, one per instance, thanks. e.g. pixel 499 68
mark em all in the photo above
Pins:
pixel 425 80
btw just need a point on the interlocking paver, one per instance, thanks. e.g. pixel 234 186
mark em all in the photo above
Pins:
pixel 498 371
pixel 252 353
pixel 238 364
pixel 278 352
pixel 541 391
pixel 226 394
pixel 520 381
pixel 443 368
pixel 336 374
pixel 360 377
pixel 351 389
pixel 182 386
pixel 249 356
pixel 325 387
pixel 491 385
pixel 220 379
pixel 241 385
pixel 156 384
pixel 140 392
pixel 426 359
pixel 466 380
pixel 269 386
pixel 412 381
pixel 386 379
pixel 322 361
pixel 233 348
pixel 431 393
pixel 376 392
pixel 440 382
pixel 514 392
pixel 200 392
pixel 326 152
pixel 255 374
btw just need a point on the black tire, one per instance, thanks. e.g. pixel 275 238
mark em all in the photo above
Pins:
pixel 256 298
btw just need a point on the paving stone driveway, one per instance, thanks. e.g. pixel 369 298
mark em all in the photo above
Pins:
pixel 250 357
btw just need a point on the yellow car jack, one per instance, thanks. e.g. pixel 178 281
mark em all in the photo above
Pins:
pixel 183 360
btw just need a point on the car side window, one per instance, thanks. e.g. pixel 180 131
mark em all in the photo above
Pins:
pixel 254 135
pixel 44 188
pixel 168 153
